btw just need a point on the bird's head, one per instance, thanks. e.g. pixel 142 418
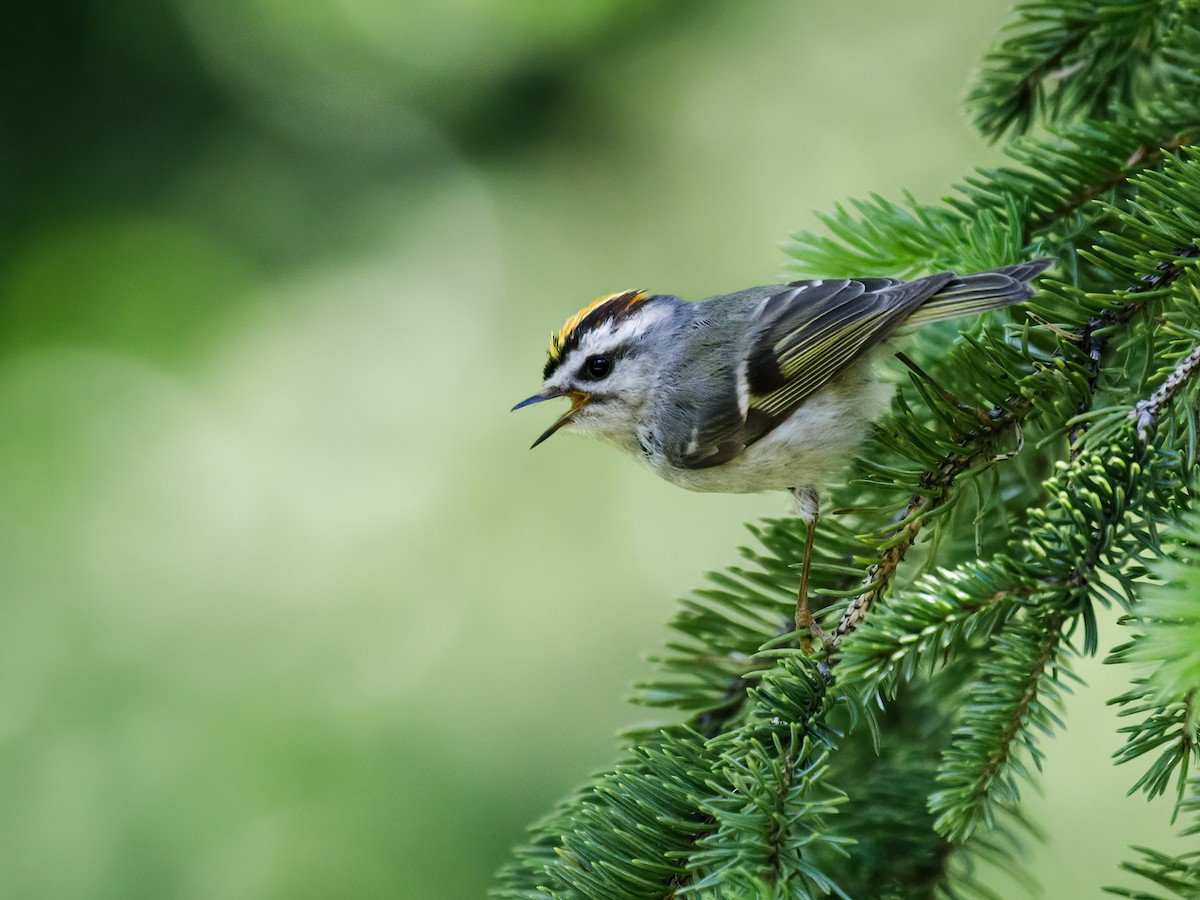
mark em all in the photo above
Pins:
pixel 601 361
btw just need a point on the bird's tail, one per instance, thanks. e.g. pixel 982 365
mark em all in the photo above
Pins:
pixel 966 295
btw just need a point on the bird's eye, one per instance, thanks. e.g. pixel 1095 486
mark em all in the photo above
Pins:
pixel 598 366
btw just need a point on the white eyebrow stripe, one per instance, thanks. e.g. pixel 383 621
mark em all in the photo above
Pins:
pixel 607 335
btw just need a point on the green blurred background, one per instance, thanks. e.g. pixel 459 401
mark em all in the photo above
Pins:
pixel 287 609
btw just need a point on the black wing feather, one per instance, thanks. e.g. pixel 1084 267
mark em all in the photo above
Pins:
pixel 802 337
pixel 807 336
pixel 796 340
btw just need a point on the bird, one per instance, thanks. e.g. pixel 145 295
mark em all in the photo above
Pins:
pixel 766 389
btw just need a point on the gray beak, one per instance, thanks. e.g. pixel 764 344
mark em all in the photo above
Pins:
pixel 548 394
pixel 578 399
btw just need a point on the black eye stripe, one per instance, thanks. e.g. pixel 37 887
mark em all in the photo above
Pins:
pixel 612 309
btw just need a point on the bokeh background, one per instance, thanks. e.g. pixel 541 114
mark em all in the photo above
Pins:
pixel 287 609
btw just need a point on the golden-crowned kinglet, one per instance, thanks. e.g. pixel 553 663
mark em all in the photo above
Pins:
pixel 766 389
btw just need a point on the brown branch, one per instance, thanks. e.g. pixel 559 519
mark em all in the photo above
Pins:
pixel 1045 653
pixel 975 448
pixel 1147 412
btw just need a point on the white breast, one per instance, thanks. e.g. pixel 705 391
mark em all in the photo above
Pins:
pixel 817 440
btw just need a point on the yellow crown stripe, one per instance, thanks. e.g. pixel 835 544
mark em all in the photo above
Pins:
pixel 557 341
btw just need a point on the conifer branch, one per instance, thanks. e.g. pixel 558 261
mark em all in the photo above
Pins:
pixel 917 629
pixel 978 448
pixel 1178 875
pixel 769 798
pixel 1144 157
pixel 1095 335
pixel 1146 413
pixel 1167 649
pixel 738 802
pixel 1170 726
pixel 1070 57
pixel 996 720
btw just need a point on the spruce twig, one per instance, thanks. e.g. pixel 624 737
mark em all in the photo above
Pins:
pixel 1146 413
pixel 1099 400
pixel 977 449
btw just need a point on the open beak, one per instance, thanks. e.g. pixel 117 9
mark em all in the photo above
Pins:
pixel 578 399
